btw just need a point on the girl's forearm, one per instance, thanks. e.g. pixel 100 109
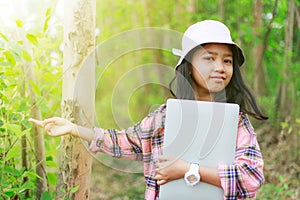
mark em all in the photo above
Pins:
pixel 210 176
pixel 83 132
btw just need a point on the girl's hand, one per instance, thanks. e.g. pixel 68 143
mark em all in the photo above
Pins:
pixel 169 169
pixel 56 126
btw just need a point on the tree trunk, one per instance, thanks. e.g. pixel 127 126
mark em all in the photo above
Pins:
pixel 191 6
pixel 38 136
pixel 221 10
pixel 283 106
pixel 156 54
pixel 23 139
pixel 78 97
pixel 259 79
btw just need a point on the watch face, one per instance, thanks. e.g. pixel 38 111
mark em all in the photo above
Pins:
pixel 192 178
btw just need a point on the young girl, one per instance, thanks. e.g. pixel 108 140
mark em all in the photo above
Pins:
pixel 208 70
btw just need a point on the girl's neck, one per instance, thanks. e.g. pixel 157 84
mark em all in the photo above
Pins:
pixel 203 97
pixel 202 94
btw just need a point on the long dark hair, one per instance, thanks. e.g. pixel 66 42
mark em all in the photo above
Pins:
pixel 235 92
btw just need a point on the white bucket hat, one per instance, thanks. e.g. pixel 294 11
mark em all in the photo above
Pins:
pixel 207 31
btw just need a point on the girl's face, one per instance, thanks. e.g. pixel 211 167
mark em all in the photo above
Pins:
pixel 212 69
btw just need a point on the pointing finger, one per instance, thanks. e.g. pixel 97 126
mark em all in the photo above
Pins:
pixel 40 123
pixel 53 120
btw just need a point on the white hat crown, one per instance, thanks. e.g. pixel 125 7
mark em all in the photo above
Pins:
pixel 207 31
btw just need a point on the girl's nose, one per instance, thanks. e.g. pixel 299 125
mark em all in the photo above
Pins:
pixel 219 66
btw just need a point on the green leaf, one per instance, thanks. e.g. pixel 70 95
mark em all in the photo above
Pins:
pixel 51 163
pixel 52 178
pixel 9 193
pixel 26 131
pixel 4 37
pixel 19 23
pixel 10 57
pixel 63 190
pixel 281 179
pixel 32 39
pixel 17 51
pixel 37 63
pixel 26 123
pixel 46 23
pixel 48 17
pixel 48 12
pixel 284 124
pixel 46 196
pixel 21 42
pixel 35 88
pixel 13 152
pixel 3 97
pixel 13 171
pixel 23 106
pixel 31 175
pixel 14 129
pixel 74 189
pixel 26 56
pixel 28 185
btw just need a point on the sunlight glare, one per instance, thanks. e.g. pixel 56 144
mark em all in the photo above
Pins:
pixel 30 12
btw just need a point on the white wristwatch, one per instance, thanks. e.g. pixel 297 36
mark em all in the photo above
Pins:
pixel 192 177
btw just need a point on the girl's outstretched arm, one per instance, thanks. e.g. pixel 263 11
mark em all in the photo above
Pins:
pixel 57 126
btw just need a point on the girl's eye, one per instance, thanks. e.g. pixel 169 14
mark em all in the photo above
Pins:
pixel 208 58
pixel 228 61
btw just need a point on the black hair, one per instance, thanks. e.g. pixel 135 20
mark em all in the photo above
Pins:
pixel 235 92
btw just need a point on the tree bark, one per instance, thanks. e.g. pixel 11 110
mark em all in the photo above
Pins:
pixel 156 54
pixel 78 97
pixel 23 139
pixel 191 6
pixel 38 137
pixel 283 106
pixel 221 10
pixel 259 83
pixel 260 46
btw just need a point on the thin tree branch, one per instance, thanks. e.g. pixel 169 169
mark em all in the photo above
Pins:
pixel 265 41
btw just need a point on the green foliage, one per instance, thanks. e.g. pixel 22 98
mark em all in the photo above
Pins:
pixel 18 53
pixel 11 179
pixel 74 189
pixel 46 196
pixel 279 191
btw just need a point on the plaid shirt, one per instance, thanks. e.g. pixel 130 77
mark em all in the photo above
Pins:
pixel 144 142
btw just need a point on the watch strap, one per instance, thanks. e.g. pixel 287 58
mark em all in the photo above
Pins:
pixel 194 168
